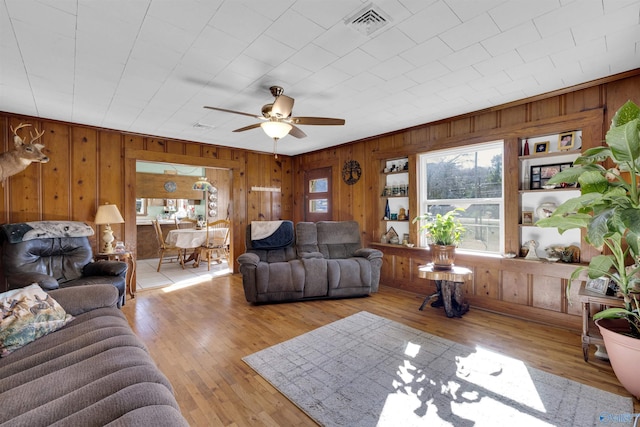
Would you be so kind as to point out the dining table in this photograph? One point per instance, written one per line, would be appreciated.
(194, 238)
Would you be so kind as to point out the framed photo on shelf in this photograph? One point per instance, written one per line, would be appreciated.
(541, 147)
(566, 141)
(598, 285)
(527, 217)
(540, 174)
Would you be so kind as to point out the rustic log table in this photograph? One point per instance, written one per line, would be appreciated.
(450, 287)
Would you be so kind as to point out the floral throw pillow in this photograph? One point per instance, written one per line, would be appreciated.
(28, 314)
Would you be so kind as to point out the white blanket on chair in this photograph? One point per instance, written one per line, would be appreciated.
(263, 229)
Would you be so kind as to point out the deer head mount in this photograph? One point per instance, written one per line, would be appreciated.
(25, 153)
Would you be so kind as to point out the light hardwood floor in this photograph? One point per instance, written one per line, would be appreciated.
(198, 335)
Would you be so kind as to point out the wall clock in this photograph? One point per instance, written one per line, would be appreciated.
(170, 186)
(351, 172)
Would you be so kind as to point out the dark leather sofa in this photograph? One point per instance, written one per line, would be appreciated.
(56, 254)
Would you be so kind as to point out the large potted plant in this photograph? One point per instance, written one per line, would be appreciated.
(444, 233)
(609, 210)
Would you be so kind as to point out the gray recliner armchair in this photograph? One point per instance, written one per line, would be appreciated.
(55, 254)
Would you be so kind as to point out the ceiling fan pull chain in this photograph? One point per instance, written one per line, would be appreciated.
(275, 143)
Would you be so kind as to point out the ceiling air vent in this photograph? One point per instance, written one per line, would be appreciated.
(368, 20)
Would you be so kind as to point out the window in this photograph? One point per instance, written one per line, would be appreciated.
(471, 178)
(318, 194)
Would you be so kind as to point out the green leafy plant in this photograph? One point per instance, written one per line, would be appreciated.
(442, 229)
(609, 210)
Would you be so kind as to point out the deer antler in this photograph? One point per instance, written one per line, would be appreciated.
(38, 135)
(20, 126)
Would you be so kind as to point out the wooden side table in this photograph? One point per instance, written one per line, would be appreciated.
(130, 259)
(590, 333)
(450, 286)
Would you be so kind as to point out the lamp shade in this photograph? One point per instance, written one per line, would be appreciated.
(108, 214)
(276, 130)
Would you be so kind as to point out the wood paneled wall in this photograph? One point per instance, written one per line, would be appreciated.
(506, 286)
(91, 166)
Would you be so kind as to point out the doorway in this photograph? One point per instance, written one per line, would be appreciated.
(165, 192)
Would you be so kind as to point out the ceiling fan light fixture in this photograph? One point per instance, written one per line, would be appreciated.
(276, 130)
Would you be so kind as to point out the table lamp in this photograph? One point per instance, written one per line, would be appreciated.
(108, 214)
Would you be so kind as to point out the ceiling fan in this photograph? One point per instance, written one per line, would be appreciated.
(276, 119)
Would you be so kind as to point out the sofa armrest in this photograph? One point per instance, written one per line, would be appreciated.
(105, 268)
(307, 255)
(368, 253)
(80, 299)
(249, 258)
(20, 280)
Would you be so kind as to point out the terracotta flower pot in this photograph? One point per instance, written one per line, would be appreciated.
(624, 352)
(442, 256)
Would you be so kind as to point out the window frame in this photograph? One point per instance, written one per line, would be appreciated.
(423, 202)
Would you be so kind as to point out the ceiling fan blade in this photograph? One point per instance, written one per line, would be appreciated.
(282, 106)
(296, 132)
(232, 111)
(253, 126)
(322, 121)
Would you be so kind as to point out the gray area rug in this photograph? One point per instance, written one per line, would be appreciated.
(366, 370)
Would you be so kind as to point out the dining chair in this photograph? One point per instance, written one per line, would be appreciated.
(185, 223)
(165, 248)
(217, 243)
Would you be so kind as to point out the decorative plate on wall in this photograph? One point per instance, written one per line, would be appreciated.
(351, 172)
(170, 186)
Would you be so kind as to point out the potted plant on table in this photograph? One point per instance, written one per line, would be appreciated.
(609, 210)
(444, 233)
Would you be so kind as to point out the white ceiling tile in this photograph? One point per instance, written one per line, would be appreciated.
(618, 20)
(470, 32)
(269, 51)
(340, 40)
(510, 14)
(392, 68)
(557, 20)
(430, 22)
(469, 9)
(325, 13)
(511, 39)
(520, 72)
(428, 72)
(498, 63)
(355, 62)
(312, 57)
(427, 52)
(560, 42)
(294, 30)
(388, 44)
(593, 48)
(465, 57)
(239, 21)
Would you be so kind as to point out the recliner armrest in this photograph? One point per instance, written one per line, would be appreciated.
(249, 258)
(20, 280)
(368, 253)
(105, 268)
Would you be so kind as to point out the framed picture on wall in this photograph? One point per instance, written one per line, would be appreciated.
(566, 141)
